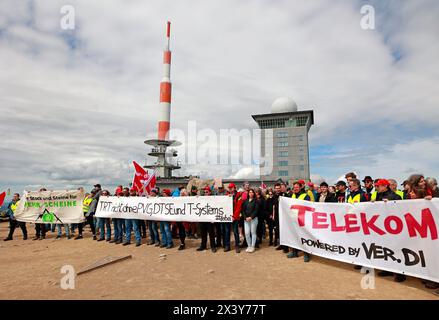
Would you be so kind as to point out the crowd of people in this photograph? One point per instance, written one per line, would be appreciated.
(255, 214)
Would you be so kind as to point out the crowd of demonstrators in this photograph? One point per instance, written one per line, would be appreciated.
(255, 214)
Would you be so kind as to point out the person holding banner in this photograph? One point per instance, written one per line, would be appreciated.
(384, 193)
(88, 216)
(165, 228)
(277, 194)
(152, 225)
(104, 223)
(132, 224)
(355, 193)
(13, 223)
(299, 193)
(207, 228)
(40, 228)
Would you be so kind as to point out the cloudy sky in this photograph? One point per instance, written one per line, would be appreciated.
(76, 105)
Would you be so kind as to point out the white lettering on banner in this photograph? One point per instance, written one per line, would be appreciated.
(397, 236)
(195, 209)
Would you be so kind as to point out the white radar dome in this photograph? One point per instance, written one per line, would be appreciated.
(283, 104)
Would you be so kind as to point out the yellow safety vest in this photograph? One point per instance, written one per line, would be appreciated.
(301, 197)
(355, 199)
(311, 195)
(14, 206)
(86, 203)
(373, 196)
(400, 193)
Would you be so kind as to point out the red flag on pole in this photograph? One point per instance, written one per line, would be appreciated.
(142, 181)
(2, 198)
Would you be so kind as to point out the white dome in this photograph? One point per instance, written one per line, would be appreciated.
(283, 104)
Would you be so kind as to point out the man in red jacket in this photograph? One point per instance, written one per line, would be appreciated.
(237, 204)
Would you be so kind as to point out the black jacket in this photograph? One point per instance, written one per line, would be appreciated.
(330, 197)
(250, 208)
(262, 208)
(389, 195)
(270, 202)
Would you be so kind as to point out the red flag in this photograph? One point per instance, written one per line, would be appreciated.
(142, 181)
(2, 198)
(263, 185)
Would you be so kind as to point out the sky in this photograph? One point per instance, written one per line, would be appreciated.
(76, 105)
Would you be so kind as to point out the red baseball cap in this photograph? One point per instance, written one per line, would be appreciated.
(383, 182)
(302, 182)
(232, 185)
(310, 184)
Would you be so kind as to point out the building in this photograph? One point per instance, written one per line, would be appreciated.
(288, 150)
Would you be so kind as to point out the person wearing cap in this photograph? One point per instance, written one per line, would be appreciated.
(152, 225)
(165, 228)
(132, 225)
(368, 186)
(301, 194)
(207, 228)
(237, 205)
(311, 191)
(325, 195)
(384, 193)
(341, 191)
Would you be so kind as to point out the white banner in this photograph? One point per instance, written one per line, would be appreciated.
(193, 209)
(59, 206)
(397, 236)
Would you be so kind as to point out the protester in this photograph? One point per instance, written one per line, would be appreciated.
(270, 214)
(250, 215)
(277, 195)
(152, 225)
(237, 205)
(355, 192)
(262, 216)
(165, 228)
(104, 223)
(132, 225)
(88, 217)
(40, 228)
(341, 193)
(13, 223)
(325, 195)
(207, 228)
(394, 188)
(299, 193)
(384, 193)
(418, 189)
(368, 187)
(432, 185)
